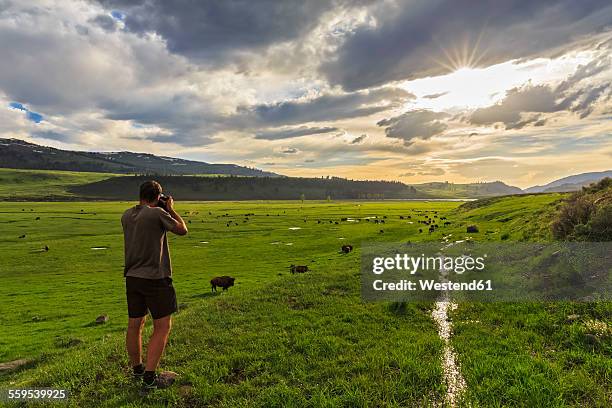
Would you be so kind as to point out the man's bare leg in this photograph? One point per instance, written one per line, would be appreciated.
(133, 339)
(157, 343)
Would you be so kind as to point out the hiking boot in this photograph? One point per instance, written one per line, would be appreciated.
(138, 372)
(162, 380)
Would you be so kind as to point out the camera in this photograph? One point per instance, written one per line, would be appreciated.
(163, 202)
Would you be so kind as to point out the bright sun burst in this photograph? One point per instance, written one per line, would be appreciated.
(468, 86)
(465, 55)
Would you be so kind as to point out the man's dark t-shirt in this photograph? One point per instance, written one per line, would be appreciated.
(145, 241)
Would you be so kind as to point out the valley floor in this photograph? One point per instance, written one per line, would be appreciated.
(277, 339)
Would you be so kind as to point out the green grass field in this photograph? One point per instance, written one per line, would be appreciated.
(18, 184)
(277, 339)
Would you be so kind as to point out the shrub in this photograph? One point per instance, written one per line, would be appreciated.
(586, 215)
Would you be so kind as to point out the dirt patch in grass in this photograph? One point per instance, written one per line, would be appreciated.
(235, 376)
(296, 303)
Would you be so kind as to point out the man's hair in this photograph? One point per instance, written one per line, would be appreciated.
(149, 190)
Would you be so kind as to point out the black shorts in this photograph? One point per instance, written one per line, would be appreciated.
(155, 295)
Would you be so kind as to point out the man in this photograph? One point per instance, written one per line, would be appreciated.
(148, 279)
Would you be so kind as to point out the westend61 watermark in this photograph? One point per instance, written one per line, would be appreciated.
(487, 272)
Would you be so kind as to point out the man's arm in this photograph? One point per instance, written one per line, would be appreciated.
(181, 227)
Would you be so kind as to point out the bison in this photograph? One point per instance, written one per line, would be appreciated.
(298, 268)
(347, 248)
(222, 282)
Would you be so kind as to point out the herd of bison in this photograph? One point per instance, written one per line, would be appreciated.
(226, 282)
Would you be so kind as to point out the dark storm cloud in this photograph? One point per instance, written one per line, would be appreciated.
(277, 134)
(183, 115)
(517, 101)
(586, 105)
(414, 39)
(328, 107)
(210, 29)
(415, 124)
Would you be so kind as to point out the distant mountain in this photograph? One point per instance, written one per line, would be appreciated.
(19, 154)
(571, 183)
(471, 190)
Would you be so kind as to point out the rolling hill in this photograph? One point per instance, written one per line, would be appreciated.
(19, 154)
(471, 190)
(43, 185)
(570, 183)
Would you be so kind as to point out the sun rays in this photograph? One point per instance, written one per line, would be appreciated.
(465, 54)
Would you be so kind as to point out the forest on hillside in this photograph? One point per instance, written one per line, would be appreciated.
(249, 188)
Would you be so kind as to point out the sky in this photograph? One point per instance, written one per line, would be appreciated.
(409, 90)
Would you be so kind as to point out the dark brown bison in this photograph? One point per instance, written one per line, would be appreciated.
(298, 268)
(222, 282)
(347, 248)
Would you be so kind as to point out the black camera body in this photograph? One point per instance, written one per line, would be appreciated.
(163, 202)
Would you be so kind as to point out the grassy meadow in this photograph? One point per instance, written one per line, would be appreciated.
(16, 184)
(277, 339)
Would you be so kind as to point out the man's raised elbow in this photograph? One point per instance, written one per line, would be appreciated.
(181, 230)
